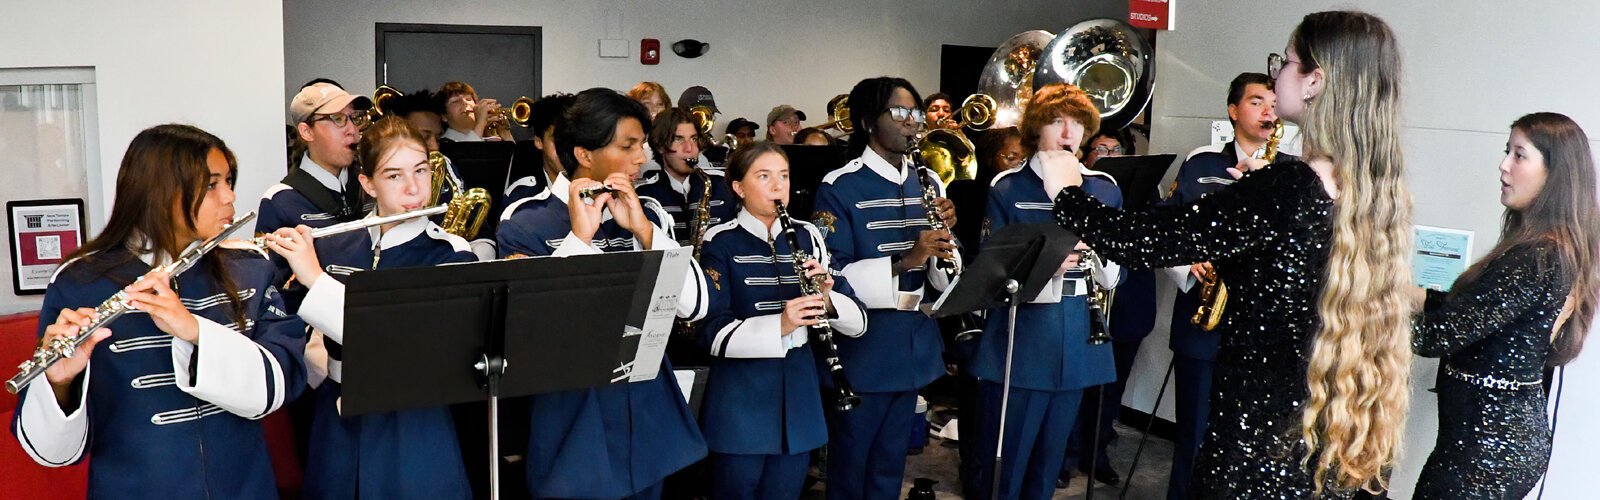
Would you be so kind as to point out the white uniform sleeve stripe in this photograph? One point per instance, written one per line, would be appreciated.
(719, 344)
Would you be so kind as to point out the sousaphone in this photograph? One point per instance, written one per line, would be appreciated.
(1106, 58)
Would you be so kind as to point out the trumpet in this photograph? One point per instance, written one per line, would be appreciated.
(839, 115)
(62, 347)
(823, 331)
(704, 118)
(1213, 293)
(380, 101)
(520, 113)
(947, 150)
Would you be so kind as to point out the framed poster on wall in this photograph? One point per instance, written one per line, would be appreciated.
(43, 234)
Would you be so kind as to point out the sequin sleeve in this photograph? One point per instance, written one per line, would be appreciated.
(1523, 281)
(1218, 226)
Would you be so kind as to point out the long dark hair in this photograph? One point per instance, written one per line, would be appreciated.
(164, 163)
(1566, 215)
(870, 98)
(591, 122)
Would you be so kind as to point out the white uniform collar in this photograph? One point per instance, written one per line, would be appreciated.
(322, 176)
(405, 231)
(752, 225)
(559, 187)
(681, 187)
(458, 136)
(884, 169)
(1238, 152)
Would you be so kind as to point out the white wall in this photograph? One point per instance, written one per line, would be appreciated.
(1471, 68)
(762, 53)
(214, 64)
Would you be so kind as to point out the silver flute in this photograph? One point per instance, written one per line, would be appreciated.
(65, 346)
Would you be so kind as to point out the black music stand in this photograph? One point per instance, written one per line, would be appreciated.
(1016, 262)
(1137, 176)
(436, 336)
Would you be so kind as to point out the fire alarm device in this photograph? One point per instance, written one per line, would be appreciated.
(650, 51)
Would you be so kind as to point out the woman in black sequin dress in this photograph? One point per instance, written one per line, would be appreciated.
(1291, 371)
(1503, 320)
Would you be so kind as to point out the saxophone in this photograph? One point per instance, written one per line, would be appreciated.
(846, 397)
(469, 208)
(1213, 293)
(702, 221)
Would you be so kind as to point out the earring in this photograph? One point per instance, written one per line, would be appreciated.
(1307, 97)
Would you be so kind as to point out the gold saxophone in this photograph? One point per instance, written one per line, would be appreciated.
(468, 208)
(702, 220)
(1213, 293)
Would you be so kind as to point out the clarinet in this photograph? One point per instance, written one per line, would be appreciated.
(948, 266)
(1099, 300)
(65, 346)
(846, 397)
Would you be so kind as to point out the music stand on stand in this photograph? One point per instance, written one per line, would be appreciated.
(436, 336)
(1016, 262)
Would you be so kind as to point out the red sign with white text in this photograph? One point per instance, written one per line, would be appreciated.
(1153, 14)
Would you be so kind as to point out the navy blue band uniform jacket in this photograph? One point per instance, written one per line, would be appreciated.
(162, 417)
(403, 454)
(1203, 173)
(682, 200)
(620, 439)
(284, 206)
(1053, 351)
(762, 396)
(870, 212)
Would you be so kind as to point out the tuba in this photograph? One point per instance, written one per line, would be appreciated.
(1213, 293)
(1008, 76)
(1109, 61)
(468, 208)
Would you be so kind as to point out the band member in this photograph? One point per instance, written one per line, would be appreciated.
(762, 414)
(1133, 315)
(163, 417)
(1524, 307)
(620, 440)
(939, 110)
(469, 119)
(871, 216)
(677, 187)
(545, 113)
(1252, 109)
(424, 111)
(783, 123)
(652, 95)
(1310, 384)
(320, 191)
(1052, 360)
(812, 136)
(403, 454)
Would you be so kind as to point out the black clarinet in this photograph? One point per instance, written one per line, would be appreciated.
(822, 332)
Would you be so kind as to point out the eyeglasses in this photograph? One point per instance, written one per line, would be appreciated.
(339, 120)
(1275, 64)
(1106, 150)
(900, 114)
(1010, 159)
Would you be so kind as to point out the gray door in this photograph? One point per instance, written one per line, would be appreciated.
(500, 62)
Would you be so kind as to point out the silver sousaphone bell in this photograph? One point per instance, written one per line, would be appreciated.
(1106, 58)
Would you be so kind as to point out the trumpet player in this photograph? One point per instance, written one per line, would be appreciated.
(168, 410)
(1252, 110)
(469, 119)
(762, 414)
(872, 217)
(1053, 359)
(621, 440)
(544, 114)
(403, 454)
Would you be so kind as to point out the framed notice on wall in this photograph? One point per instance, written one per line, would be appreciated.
(43, 233)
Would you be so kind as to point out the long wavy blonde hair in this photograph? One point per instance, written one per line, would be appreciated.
(1358, 377)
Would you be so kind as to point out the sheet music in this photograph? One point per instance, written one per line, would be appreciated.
(657, 327)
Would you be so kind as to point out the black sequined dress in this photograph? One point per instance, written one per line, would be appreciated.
(1493, 336)
(1267, 236)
